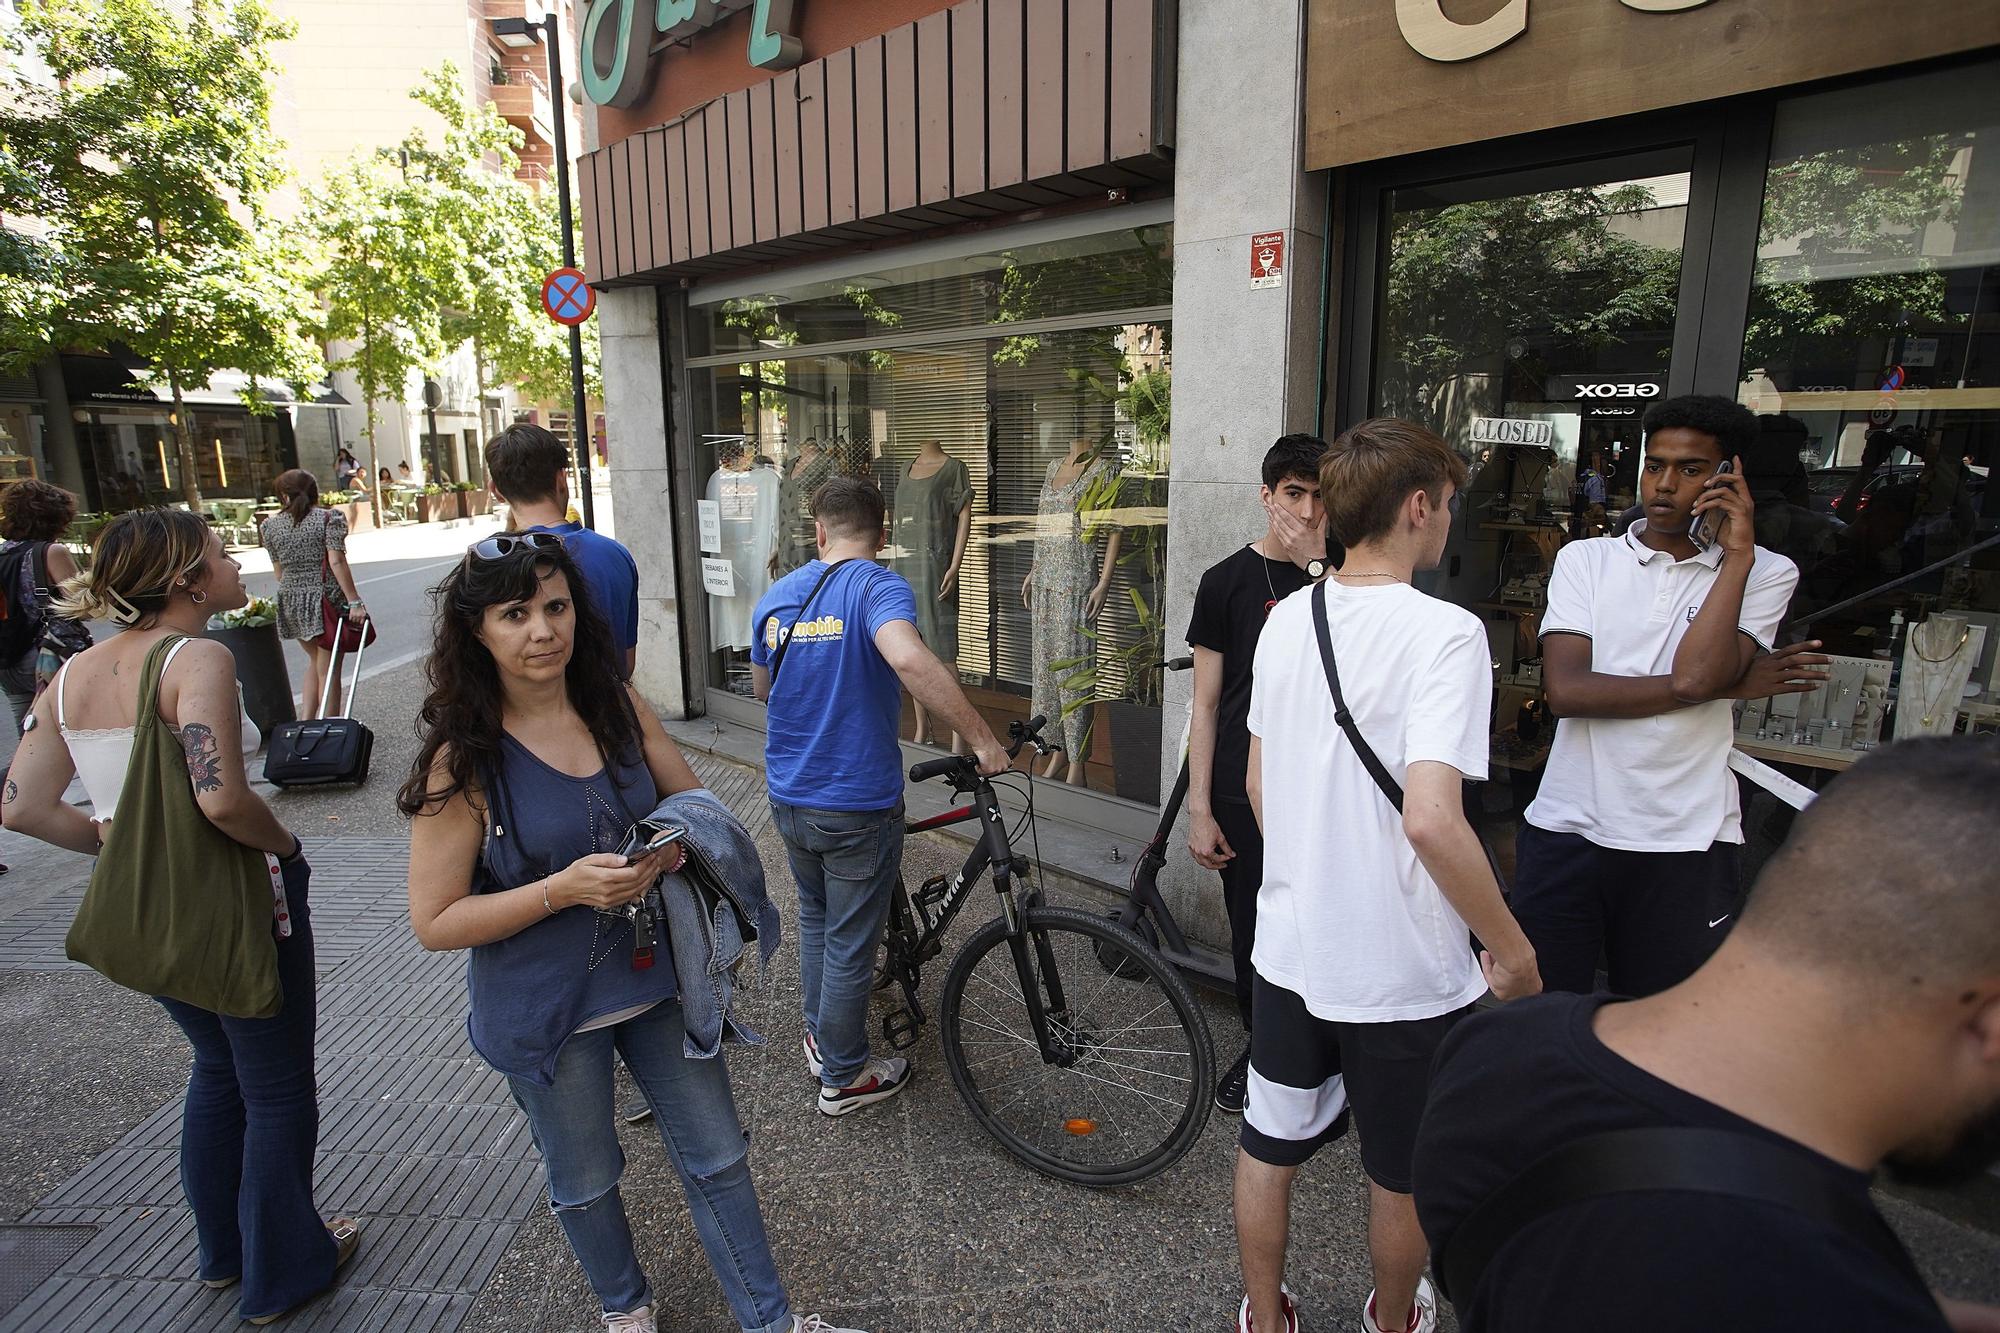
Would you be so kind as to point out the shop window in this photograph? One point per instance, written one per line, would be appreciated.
(1871, 351)
(1048, 449)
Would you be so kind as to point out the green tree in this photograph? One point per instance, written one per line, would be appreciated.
(150, 164)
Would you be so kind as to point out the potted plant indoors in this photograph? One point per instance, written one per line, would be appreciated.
(251, 635)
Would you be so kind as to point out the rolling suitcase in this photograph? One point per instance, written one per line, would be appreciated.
(327, 750)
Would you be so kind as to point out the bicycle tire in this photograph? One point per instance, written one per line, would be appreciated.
(1187, 1069)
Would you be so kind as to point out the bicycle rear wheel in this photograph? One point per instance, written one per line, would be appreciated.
(1130, 1091)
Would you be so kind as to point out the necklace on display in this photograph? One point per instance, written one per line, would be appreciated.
(1916, 642)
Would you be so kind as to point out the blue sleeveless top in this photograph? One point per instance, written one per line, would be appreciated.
(531, 990)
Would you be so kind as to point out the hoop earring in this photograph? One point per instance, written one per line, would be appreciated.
(197, 596)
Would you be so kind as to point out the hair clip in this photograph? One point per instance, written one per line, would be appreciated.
(123, 612)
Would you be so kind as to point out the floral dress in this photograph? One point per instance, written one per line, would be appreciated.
(299, 550)
(1059, 585)
(925, 531)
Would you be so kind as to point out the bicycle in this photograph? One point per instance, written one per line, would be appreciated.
(1094, 1074)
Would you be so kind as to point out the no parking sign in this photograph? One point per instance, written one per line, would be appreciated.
(567, 296)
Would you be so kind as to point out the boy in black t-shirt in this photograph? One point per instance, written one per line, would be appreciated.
(1851, 1019)
(1229, 610)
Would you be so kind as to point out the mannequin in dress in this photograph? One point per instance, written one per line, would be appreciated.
(930, 525)
(748, 502)
(1062, 597)
(1937, 660)
(795, 543)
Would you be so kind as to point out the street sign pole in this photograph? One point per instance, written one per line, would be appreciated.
(580, 407)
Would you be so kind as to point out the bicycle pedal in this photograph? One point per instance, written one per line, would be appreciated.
(901, 1029)
(930, 896)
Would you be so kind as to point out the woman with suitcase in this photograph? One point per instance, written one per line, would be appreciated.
(535, 759)
(308, 548)
(251, 1120)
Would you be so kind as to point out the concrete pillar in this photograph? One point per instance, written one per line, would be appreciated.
(1246, 360)
(635, 415)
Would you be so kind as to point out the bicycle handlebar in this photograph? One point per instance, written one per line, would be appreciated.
(966, 766)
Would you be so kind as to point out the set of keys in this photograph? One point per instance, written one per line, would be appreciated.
(645, 931)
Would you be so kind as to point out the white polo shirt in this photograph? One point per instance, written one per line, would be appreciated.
(1647, 784)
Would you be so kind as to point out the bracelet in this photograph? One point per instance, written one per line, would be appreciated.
(547, 906)
(298, 850)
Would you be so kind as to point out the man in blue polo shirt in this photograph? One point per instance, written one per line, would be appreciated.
(527, 468)
(836, 641)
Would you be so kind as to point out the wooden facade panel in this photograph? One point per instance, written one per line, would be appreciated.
(871, 158)
(654, 245)
(1132, 132)
(812, 144)
(899, 96)
(1089, 83)
(721, 210)
(1047, 141)
(695, 131)
(784, 154)
(841, 140)
(934, 108)
(736, 162)
(591, 203)
(968, 97)
(670, 224)
(761, 165)
(1006, 93)
(618, 159)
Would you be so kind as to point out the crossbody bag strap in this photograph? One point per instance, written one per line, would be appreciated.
(778, 653)
(1391, 789)
(1716, 1162)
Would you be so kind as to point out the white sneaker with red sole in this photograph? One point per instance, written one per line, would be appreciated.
(1426, 1312)
(1244, 1324)
(880, 1080)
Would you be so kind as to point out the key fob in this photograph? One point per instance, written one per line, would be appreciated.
(644, 938)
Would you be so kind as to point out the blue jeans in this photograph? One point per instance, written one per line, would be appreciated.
(248, 1131)
(576, 1130)
(846, 863)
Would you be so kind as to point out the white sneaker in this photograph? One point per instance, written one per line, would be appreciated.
(879, 1080)
(634, 1321)
(1427, 1310)
(813, 1323)
(813, 1062)
(1243, 1324)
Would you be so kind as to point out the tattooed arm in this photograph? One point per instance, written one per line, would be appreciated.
(199, 694)
(32, 801)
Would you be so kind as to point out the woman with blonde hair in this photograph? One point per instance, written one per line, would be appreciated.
(251, 1120)
(307, 544)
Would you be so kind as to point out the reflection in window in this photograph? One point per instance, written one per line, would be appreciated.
(1025, 475)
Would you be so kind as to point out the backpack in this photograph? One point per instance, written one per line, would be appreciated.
(23, 607)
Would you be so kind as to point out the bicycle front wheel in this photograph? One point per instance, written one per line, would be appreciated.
(1126, 1089)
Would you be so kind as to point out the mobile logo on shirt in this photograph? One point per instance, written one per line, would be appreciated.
(824, 629)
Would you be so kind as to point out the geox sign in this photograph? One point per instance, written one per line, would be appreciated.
(619, 37)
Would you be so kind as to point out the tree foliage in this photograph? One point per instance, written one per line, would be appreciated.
(149, 165)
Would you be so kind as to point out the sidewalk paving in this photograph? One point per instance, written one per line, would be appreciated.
(903, 1217)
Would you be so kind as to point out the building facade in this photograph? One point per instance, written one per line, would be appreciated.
(1099, 253)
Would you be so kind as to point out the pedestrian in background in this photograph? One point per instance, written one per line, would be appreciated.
(33, 563)
(534, 761)
(251, 1121)
(1851, 1019)
(346, 468)
(307, 543)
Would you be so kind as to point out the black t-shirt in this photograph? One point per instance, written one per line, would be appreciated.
(1235, 598)
(1512, 1085)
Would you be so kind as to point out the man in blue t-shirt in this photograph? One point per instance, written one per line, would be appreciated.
(527, 468)
(848, 633)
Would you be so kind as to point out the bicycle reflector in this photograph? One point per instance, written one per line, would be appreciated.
(1080, 1126)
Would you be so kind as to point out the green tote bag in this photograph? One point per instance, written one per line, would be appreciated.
(175, 906)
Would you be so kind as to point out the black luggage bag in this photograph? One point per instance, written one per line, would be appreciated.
(327, 750)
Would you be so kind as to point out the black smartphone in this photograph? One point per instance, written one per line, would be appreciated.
(1702, 531)
(648, 836)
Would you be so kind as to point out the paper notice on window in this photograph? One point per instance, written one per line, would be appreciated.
(718, 577)
(708, 515)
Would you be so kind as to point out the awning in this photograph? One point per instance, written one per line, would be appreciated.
(101, 379)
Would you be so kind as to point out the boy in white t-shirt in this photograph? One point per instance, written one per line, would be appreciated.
(1630, 847)
(1362, 959)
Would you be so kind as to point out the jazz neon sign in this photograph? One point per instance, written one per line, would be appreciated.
(1435, 37)
(617, 55)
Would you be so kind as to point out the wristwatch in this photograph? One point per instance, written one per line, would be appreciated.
(1316, 568)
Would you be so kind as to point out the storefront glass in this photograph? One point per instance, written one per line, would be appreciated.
(1025, 475)
(132, 459)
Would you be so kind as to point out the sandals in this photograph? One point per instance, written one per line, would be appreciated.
(346, 1233)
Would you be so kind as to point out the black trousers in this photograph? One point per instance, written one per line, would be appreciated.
(1241, 878)
(1654, 917)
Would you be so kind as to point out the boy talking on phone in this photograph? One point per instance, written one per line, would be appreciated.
(1630, 848)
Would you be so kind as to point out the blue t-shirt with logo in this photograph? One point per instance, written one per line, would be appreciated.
(611, 575)
(830, 739)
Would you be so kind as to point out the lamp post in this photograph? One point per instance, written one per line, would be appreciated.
(521, 33)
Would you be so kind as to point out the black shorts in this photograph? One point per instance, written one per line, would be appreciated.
(1306, 1072)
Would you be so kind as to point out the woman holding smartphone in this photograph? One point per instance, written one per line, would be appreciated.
(535, 761)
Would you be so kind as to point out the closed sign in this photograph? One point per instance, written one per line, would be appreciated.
(1511, 430)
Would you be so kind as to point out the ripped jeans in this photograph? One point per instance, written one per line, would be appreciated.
(575, 1127)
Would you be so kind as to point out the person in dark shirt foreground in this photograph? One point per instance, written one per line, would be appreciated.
(1853, 1017)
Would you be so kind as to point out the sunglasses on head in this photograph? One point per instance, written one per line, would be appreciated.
(503, 544)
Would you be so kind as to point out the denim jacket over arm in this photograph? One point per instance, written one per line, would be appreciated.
(716, 905)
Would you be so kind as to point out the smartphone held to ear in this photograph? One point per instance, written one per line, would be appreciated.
(1702, 531)
(649, 836)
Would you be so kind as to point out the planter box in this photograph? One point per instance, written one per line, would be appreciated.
(478, 502)
(1135, 751)
(260, 667)
(431, 508)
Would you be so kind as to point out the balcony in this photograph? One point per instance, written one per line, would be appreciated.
(522, 99)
